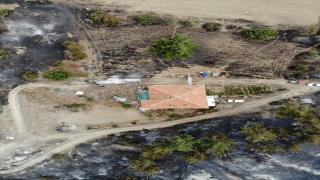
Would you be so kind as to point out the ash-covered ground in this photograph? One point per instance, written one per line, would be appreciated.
(107, 158)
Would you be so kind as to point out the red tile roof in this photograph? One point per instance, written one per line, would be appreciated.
(176, 96)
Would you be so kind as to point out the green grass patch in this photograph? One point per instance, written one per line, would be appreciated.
(79, 55)
(4, 12)
(57, 63)
(259, 33)
(57, 75)
(188, 23)
(224, 63)
(211, 26)
(29, 75)
(175, 116)
(310, 31)
(71, 45)
(126, 106)
(75, 105)
(313, 52)
(104, 18)
(90, 99)
(58, 157)
(148, 20)
(133, 123)
(83, 74)
(114, 126)
(301, 67)
(209, 92)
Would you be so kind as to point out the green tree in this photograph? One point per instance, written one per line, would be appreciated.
(177, 47)
(217, 143)
(258, 133)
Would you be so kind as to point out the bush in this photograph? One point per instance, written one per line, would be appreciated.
(175, 116)
(211, 26)
(79, 55)
(29, 75)
(104, 18)
(133, 122)
(90, 99)
(4, 12)
(259, 33)
(310, 31)
(58, 157)
(177, 47)
(71, 45)
(301, 67)
(57, 75)
(4, 53)
(114, 126)
(313, 52)
(231, 26)
(57, 63)
(188, 23)
(148, 20)
(126, 106)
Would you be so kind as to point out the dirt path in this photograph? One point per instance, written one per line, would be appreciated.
(269, 12)
(246, 107)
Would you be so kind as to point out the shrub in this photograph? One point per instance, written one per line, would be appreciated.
(4, 53)
(114, 126)
(126, 106)
(29, 75)
(133, 122)
(231, 26)
(189, 23)
(57, 63)
(313, 52)
(211, 26)
(58, 157)
(147, 20)
(79, 55)
(177, 47)
(71, 45)
(83, 74)
(259, 33)
(75, 105)
(57, 75)
(4, 12)
(301, 67)
(104, 18)
(90, 99)
(310, 31)
(175, 116)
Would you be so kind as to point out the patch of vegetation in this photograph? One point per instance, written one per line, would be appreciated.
(4, 53)
(58, 157)
(90, 99)
(57, 63)
(276, 139)
(210, 110)
(79, 55)
(177, 47)
(114, 126)
(126, 106)
(84, 74)
(57, 75)
(4, 12)
(224, 63)
(133, 123)
(74, 49)
(29, 75)
(211, 26)
(175, 116)
(148, 114)
(188, 23)
(301, 67)
(313, 52)
(246, 90)
(148, 20)
(209, 92)
(104, 18)
(192, 149)
(75, 105)
(259, 33)
(90, 127)
(310, 31)
(170, 110)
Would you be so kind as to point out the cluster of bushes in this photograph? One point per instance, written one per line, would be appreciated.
(211, 26)
(4, 12)
(126, 106)
(57, 75)
(259, 33)
(104, 18)
(313, 52)
(246, 90)
(310, 31)
(57, 63)
(301, 67)
(148, 20)
(58, 157)
(177, 47)
(75, 50)
(188, 23)
(29, 75)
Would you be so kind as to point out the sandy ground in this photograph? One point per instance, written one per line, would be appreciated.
(269, 12)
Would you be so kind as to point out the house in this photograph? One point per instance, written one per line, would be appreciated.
(176, 97)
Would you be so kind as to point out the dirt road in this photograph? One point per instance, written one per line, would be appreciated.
(269, 12)
(246, 107)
